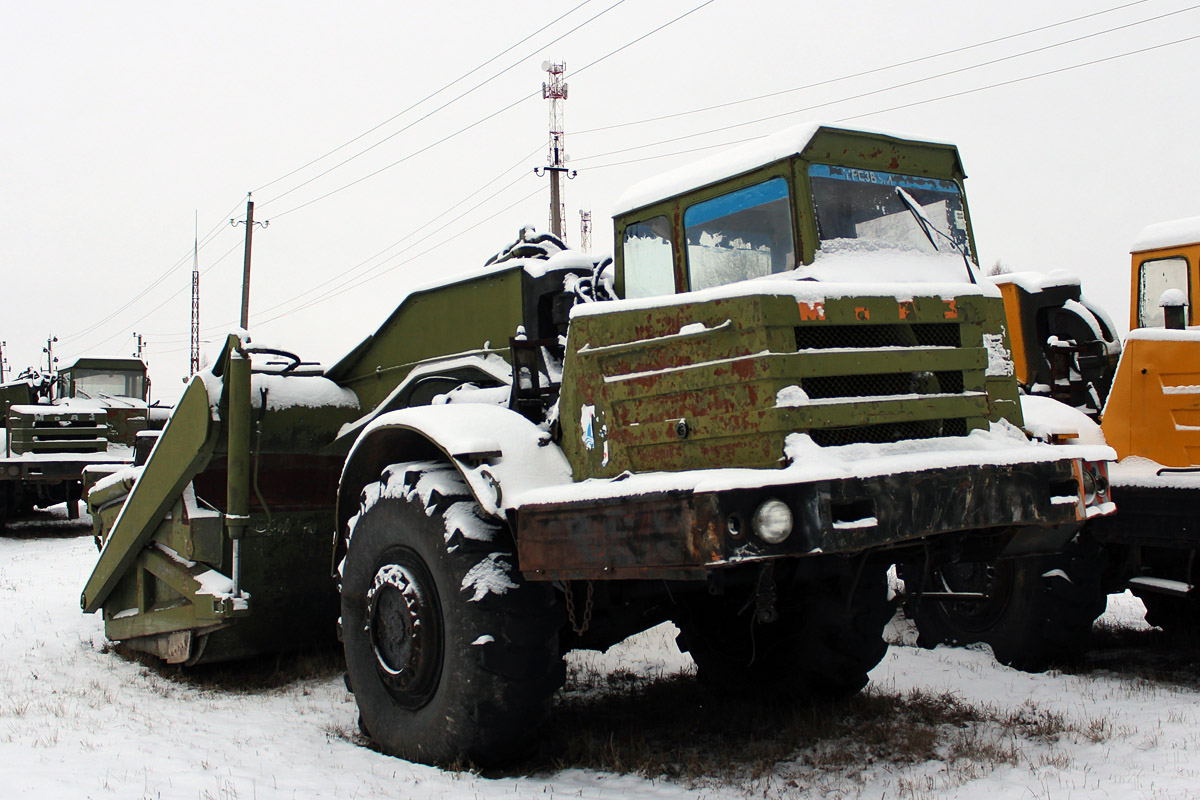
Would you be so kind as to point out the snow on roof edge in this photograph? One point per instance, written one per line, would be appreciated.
(1173, 233)
(737, 161)
(1033, 282)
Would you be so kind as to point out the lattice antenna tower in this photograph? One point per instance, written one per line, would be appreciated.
(195, 350)
(554, 89)
(585, 230)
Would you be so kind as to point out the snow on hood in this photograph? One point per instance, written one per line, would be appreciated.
(563, 259)
(310, 391)
(128, 475)
(1034, 282)
(870, 263)
(102, 403)
(285, 391)
(1003, 443)
(1175, 233)
(1143, 472)
(1045, 417)
(1163, 335)
(898, 275)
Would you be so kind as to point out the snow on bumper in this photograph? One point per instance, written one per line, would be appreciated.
(657, 526)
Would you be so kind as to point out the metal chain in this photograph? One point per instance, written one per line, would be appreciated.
(576, 626)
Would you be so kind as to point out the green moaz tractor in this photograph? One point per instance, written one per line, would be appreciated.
(55, 426)
(788, 380)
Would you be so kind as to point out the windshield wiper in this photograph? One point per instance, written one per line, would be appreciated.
(107, 396)
(928, 228)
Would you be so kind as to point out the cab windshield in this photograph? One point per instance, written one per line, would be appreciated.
(860, 210)
(99, 382)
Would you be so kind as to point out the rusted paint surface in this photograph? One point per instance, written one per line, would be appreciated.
(680, 535)
(659, 536)
(717, 368)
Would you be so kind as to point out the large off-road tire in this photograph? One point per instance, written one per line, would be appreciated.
(828, 636)
(1038, 610)
(452, 656)
(1177, 616)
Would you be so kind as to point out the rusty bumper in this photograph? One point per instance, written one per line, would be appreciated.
(681, 535)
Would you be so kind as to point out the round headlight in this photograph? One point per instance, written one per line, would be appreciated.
(773, 521)
(1089, 487)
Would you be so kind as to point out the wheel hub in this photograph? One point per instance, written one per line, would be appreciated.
(404, 630)
(992, 581)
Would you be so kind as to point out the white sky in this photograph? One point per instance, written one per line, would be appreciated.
(124, 119)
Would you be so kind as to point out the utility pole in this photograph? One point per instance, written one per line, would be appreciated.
(49, 351)
(140, 342)
(194, 366)
(3, 360)
(555, 90)
(585, 230)
(249, 223)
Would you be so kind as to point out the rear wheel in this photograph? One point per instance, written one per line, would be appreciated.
(451, 654)
(828, 636)
(1036, 610)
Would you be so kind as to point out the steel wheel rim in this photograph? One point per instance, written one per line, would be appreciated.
(404, 628)
(995, 581)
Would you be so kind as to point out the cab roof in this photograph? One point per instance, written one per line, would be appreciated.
(1176, 233)
(790, 142)
(114, 362)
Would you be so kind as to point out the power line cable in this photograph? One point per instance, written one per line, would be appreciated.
(428, 250)
(891, 88)
(428, 97)
(435, 111)
(1026, 78)
(342, 276)
(172, 296)
(488, 117)
(900, 107)
(66, 340)
(345, 274)
(851, 76)
(368, 276)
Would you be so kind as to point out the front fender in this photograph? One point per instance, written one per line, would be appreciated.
(499, 453)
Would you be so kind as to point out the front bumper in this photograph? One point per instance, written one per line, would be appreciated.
(683, 534)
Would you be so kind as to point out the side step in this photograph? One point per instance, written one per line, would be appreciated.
(1162, 586)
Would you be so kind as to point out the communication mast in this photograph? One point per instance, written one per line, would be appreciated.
(555, 90)
(195, 351)
(585, 230)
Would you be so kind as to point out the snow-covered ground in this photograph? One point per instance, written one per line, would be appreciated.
(77, 720)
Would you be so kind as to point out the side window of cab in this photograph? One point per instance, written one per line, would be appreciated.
(649, 262)
(740, 235)
(1156, 276)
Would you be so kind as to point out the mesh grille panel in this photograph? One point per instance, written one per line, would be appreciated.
(830, 386)
(865, 336)
(889, 432)
(926, 334)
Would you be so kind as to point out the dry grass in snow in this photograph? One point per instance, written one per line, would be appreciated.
(78, 720)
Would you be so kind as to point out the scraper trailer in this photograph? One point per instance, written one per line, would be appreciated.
(513, 465)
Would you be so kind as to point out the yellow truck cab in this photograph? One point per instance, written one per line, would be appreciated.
(1153, 410)
(1152, 420)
